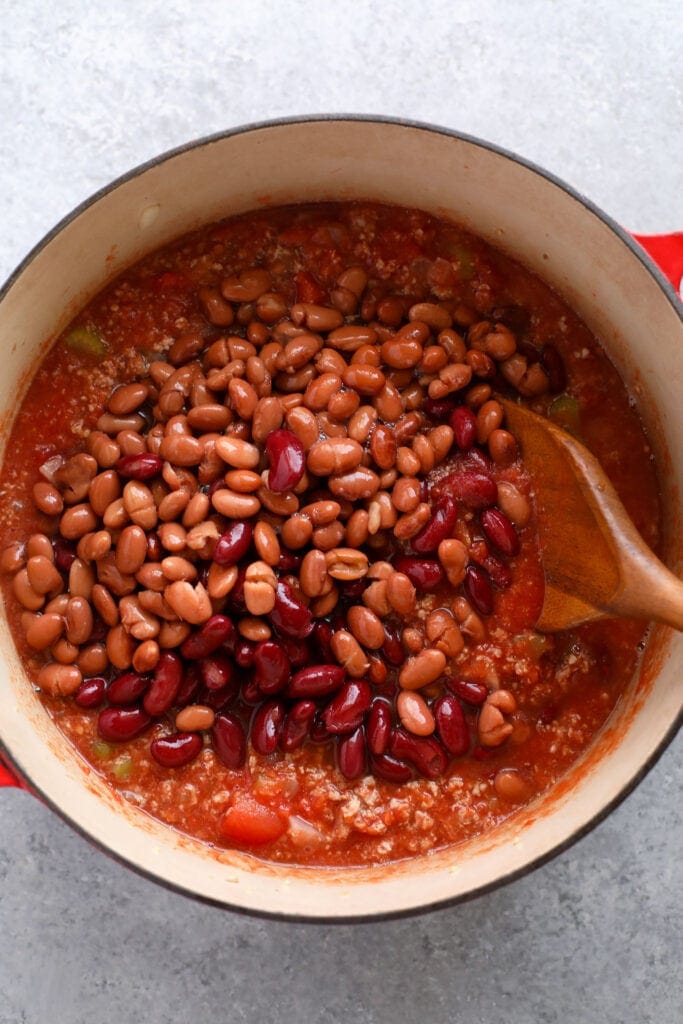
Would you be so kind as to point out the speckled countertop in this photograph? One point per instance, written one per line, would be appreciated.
(593, 91)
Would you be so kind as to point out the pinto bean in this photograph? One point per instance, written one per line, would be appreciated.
(421, 670)
(190, 603)
(24, 592)
(296, 532)
(59, 680)
(383, 446)
(259, 588)
(77, 521)
(349, 654)
(195, 718)
(513, 503)
(359, 483)
(492, 727)
(43, 576)
(81, 579)
(350, 338)
(47, 498)
(334, 455)
(366, 627)
(235, 505)
(414, 713)
(313, 574)
(346, 564)
(44, 630)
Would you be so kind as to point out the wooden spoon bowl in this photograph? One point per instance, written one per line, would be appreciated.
(596, 563)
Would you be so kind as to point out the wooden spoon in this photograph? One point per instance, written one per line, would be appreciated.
(596, 563)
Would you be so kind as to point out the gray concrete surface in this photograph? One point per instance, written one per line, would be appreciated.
(591, 90)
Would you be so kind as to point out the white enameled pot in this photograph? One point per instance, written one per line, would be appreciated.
(599, 270)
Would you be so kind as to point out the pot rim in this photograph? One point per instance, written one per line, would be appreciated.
(278, 122)
(669, 293)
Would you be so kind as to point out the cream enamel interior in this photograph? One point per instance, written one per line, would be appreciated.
(514, 207)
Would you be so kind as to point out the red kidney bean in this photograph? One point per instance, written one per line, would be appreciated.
(472, 693)
(500, 531)
(352, 754)
(176, 750)
(127, 688)
(121, 724)
(476, 460)
(322, 637)
(217, 485)
(318, 733)
(346, 710)
(476, 489)
(154, 548)
(478, 589)
(99, 631)
(551, 360)
(498, 571)
(139, 467)
(288, 561)
(266, 726)
(219, 699)
(389, 768)
(439, 408)
(423, 573)
(217, 671)
(532, 354)
(451, 725)
(297, 724)
(464, 424)
(229, 740)
(337, 621)
(379, 725)
(315, 681)
(351, 590)
(287, 458)
(392, 648)
(423, 752)
(215, 631)
(244, 654)
(272, 667)
(65, 553)
(250, 692)
(290, 616)
(297, 651)
(168, 675)
(188, 688)
(236, 601)
(90, 693)
(438, 528)
(234, 543)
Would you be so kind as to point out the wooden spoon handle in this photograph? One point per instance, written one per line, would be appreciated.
(657, 594)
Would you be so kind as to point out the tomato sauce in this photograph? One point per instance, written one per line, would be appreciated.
(566, 686)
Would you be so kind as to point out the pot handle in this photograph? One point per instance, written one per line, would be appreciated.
(667, 252)
(7, 778)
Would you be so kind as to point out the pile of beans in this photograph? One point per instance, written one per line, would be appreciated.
(242, 552)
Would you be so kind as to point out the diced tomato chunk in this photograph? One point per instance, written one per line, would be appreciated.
(307, 288)
(170, 281)
(250, 823)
